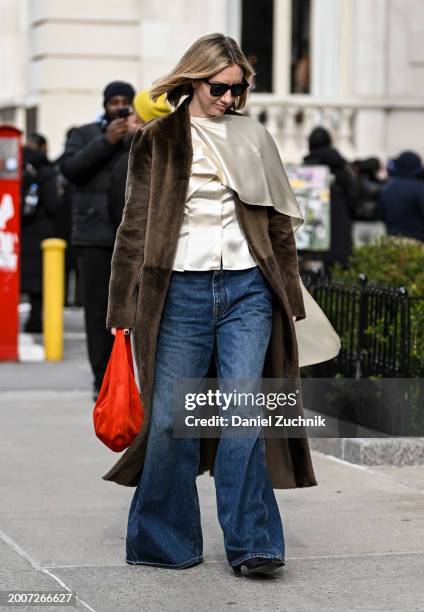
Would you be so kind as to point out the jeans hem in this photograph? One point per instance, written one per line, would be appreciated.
(189, 563)
(193, 561)
(258, 554)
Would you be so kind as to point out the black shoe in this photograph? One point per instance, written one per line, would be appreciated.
(258, 565)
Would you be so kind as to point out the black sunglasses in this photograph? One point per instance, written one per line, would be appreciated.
(219, 89)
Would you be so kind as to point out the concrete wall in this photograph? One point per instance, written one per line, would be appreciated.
(63, 53)
(388, 67)
(12, 53)
(58, 55)
(74, 49)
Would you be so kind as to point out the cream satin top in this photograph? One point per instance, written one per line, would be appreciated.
(210, 232)
(248, 161)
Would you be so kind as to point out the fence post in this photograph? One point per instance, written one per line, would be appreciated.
(362, 323)
(405, 334)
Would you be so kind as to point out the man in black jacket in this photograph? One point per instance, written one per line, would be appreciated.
(145, 109)
(91, 152)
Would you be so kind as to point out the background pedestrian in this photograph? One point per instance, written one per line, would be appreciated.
(344, 195)
(41, 204)
(90, 155)
(402, 198)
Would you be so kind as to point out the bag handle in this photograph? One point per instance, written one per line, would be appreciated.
(127, 340)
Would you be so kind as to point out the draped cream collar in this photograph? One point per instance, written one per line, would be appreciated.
(248, 161)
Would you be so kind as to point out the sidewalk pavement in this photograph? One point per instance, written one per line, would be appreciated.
(354, 542)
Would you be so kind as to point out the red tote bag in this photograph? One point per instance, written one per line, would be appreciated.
(118, 413)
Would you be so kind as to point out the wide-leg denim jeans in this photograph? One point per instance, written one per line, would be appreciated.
(224, 315)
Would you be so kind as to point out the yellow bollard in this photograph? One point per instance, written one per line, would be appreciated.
(53, 296)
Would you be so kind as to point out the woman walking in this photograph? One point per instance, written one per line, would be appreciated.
(205, 274)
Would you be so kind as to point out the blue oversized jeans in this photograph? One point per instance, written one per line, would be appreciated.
(224, 315)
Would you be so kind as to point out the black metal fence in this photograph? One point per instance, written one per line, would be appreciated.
(381, 328)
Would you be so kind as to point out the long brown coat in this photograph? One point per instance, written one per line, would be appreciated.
(158, 177)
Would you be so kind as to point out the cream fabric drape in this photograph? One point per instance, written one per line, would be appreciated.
(210, 229)
(248, 162)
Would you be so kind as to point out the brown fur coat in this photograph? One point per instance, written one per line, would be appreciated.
(158, 177)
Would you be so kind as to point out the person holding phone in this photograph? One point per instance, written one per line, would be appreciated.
(91, 152)
(144, 110)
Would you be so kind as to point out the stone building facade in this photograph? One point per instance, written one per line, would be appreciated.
(363, 61)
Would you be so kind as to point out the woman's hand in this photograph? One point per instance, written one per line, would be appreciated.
(113, 331)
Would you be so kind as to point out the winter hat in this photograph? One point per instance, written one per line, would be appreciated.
(118, 88)
(147, 109)
(407, 164)
(319, 138)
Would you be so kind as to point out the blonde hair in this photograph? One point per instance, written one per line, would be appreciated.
(207, 56)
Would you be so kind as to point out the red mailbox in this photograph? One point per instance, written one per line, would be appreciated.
(10, 208)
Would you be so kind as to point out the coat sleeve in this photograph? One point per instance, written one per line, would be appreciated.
(128, 253)
(81, 159)
(116, 190)
(284, 247)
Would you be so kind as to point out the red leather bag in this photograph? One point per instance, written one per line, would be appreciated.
(118, 413)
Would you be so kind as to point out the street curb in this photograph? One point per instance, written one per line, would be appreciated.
(372, 451)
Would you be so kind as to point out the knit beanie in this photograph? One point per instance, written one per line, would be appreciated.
(117, 88)
(147, 109)
(408, 164)
(319, 138)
